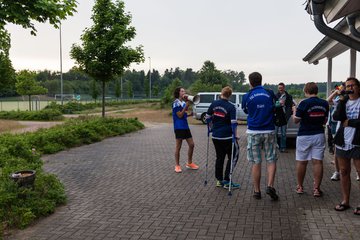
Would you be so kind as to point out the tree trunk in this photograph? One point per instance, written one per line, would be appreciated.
(103, 98)
(29, 102)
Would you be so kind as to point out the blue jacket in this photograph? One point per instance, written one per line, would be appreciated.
(258, 103)
(222, 114)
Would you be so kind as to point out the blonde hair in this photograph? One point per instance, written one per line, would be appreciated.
(226, 92)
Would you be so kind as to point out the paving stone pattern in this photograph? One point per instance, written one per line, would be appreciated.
(126, 188)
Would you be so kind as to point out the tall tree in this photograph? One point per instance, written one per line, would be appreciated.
(27, 85)
(103, 53)
(208, 74)
(7, 72)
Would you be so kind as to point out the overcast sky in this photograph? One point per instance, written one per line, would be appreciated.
(269, 36)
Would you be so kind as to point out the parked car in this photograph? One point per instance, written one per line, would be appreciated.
(206, 98)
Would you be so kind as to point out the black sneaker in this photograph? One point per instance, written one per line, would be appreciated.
(257, 195)
(272, 193)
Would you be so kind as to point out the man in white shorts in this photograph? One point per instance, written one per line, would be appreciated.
(310, 143)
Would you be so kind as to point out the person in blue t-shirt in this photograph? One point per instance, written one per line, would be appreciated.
(181, 129)
(312, 115)
(221, 115)
(259, 104)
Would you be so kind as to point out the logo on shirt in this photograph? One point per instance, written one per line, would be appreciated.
(219, 114)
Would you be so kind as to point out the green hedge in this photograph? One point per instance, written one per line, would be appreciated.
(45, 115)
(75, 107)
(20, 206)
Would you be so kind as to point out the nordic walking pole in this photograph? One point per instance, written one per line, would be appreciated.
(207, 154)
(231, 166)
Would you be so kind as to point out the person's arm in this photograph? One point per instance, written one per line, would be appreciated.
(298, 113)
(181, 113)
(234, 122)
(340, 110)
(355, 123)
(332, 96)
(244, 104)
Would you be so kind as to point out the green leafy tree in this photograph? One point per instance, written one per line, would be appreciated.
(169, 92)
(7, 72)
(236, 79)
(129, 89)
(208, 75)
(117, 88)
(27, 85)
(24, 13)
(94, 90)
(199, 86)
(103, 53)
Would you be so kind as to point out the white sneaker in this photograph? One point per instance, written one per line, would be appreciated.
(357, 177)
(335, 176)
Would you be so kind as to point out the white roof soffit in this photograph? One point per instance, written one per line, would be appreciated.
(336, 9)
(329, 48)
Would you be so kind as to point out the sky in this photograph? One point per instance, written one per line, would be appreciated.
(268, 36)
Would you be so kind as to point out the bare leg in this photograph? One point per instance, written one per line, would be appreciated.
(191, 144)
(318, 172)
(345, 169)
(256, 174)
(177, 151)
(271, 169)
(357, 166)
(301, 171)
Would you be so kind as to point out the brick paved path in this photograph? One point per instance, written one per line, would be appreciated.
(126, 188)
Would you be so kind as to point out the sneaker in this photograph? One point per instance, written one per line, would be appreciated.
(335, 176)
(219, 183)
(233, 185)
(192, 166)
(272, 193)
(178, 169)
(357, 177)
(317, 192)
(299, 189)
(283, 150)
(257, 195)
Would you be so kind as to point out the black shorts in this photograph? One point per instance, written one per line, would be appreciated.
(353, 153)
(182, 133)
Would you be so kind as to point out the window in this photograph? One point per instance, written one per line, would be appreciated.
(206, 98)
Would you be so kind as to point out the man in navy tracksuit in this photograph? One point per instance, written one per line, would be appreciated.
(221, 115)
(258, 103)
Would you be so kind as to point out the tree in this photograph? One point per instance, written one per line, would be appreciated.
(94, 90)
(7, 72)
(129, 89)
(117, 88)
(208, 75)
(169, 92)
(237, 79)
(27, 85)
(103, 54)
(25, 12)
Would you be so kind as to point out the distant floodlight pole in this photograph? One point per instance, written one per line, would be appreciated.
(150, 75)
(61, 74)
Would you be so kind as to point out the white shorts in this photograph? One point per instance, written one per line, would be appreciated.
(310, 147)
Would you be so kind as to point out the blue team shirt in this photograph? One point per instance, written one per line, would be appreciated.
(313, 113)
(258, 103)
(222, 115)
(179, 123)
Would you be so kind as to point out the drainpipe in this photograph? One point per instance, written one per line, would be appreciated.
(318, 7)
(351, 22)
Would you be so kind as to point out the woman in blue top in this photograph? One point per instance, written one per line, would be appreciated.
(222, 117)
(310, 143)
(181, 129)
